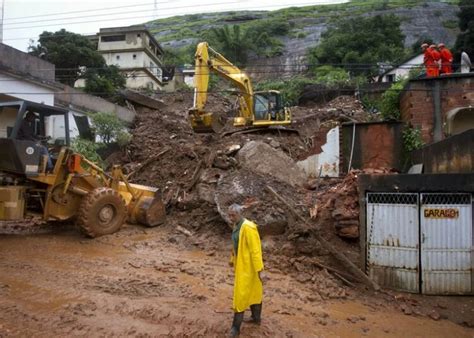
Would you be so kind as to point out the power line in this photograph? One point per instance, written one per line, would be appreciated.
(83, 11)
(161, 16)
(105, 14)
(358, 66)
(191, 92)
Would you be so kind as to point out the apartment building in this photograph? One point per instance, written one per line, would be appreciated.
(135, 51)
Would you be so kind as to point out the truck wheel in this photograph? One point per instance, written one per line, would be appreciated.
(102, 212)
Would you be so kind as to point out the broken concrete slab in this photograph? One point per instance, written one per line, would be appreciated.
(262, 158)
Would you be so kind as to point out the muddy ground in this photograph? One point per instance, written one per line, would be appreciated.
(145, 282)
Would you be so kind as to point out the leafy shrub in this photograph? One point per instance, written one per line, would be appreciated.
(123, 138)
(390, 106)
(412, 139)
(330, 75)
(107, 126)
(88, 149)
(301, 35)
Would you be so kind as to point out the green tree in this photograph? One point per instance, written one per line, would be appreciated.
(233, 42)
(465, 39)
(107, 126)
(236, 42)
(103, 81)
(69, 52)
(358, 44)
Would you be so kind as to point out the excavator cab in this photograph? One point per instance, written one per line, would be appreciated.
(268, 109)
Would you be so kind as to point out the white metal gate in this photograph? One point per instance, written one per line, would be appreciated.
(421, 242)
(446, 243)
(393, 240)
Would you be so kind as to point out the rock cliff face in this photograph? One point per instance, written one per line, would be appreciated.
(436, 20)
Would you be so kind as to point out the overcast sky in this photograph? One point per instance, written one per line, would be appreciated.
(26, 19)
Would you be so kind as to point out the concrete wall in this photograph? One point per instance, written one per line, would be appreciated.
(452, 155)
(376, 145)
(81, 102)
(24, 63)
(428, 103)
(22, 89)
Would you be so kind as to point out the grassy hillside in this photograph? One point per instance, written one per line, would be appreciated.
(197, 25)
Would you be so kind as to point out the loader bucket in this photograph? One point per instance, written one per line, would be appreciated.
(149, 211)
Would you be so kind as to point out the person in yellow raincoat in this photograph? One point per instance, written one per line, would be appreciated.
(248, 264)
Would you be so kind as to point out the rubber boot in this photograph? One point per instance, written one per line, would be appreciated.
(256, 310)
(236, 323)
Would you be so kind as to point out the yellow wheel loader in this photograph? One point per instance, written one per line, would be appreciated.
(52, 180)
(256, 109)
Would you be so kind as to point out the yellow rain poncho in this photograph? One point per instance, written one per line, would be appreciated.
(247, 263)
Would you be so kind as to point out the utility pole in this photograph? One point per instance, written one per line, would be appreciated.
(155, 11)
(2, 12)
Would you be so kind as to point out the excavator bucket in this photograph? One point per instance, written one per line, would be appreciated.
(207, 122)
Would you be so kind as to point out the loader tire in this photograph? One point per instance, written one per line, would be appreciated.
(102, 212)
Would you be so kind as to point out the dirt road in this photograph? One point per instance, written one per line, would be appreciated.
(155, 282)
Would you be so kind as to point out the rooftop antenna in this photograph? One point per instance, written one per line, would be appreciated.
(2, 12)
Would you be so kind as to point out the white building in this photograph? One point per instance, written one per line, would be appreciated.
(135, 51)
(26, 77)
(402, 70)
(188, 74)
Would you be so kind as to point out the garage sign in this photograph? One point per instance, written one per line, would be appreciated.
(441, 213)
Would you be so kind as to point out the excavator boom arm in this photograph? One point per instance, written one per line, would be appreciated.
(207, 61)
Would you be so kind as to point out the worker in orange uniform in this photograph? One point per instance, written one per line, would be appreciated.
(437, 59)
(446, 59)
(248, 268)
(429, 61)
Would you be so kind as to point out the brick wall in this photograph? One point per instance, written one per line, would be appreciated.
(417, 105)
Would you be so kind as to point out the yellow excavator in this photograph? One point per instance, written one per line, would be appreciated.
(256, 109)
(41, 175)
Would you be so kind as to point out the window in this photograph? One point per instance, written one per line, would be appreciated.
(134, 56)
(390, 78)
(138, 35)
(117, 57)
(112, 38)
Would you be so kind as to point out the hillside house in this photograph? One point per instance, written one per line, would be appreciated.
(402, 70)
(135, 51)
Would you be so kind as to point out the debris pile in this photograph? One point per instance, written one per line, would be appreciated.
(339, 205)
(200, 175)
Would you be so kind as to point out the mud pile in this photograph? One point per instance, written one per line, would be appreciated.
(200, 175)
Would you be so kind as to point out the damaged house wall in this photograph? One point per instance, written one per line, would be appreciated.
(376, 145)
(325, 163)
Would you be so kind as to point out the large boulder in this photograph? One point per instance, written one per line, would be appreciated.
(262, 159)
(248, 189)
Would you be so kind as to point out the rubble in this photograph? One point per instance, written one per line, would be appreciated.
(265, 160)
(202, 174)
(339, 205)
